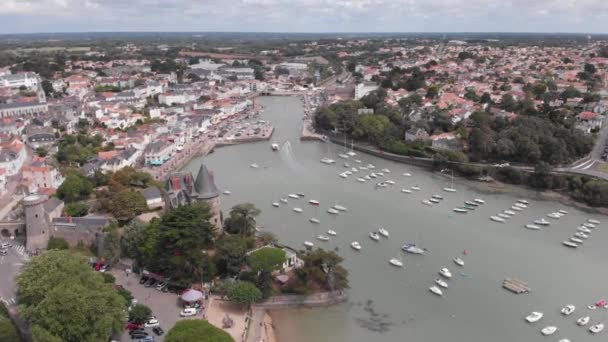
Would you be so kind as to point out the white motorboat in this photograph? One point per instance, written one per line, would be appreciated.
(373, 175)
(386, 170)
(523, 201)
(535, 316)
(227, 192)
(367, 177)
(480, 201)
(554, 216)
(497, 219)
(594, 329)
(396, 262)
(357, 161)
(504, 216)
(362, 168)
(458, 261)
(460, 210)
(275, 204)
(447, 189)
(254, 166)
(343, 156)
(294, 196)
(323, 237)
(340, 208)
(407, 174)
(301, 194)
(283, 200)
(313, 202)
(314, 220)
(436, 290)
(434, 200)
(274, 147)
(564, 340)
(327, 161)
(380, 174)
(351, 153)
(584, 229)
(427, 202)
(568, 309)
(343, 175)
(592, 221)
(415, 188)
(381, 185)
(471, 204)
(383, 232)
(589, 225)
(346, 165)
(412, 248)
(581, 235)
(563, 212)
(355, 245)
(371, 166)
(361, 180)
(298, 210)
(576, 240)
(509, 212)
(583, 321)
(542, 222)
(441, 283)
(521, 205)
(550, 330)
(308, 244)
(445, 272)
(406, 191)
(333, 211)
(569, 244)
(374, 236)
(516, 208)
(532, 227)
(390, 182)
(332, 233)
(354, 170)
(439, 197)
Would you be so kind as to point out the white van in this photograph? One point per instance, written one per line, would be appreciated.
(188, 312)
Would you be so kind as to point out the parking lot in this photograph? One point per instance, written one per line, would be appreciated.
(165, 305)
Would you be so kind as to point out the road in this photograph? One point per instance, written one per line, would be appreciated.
(591, 164)
(10, 265)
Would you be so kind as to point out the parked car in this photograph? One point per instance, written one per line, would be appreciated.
(143, 279)
(5, 245)
(104, 268)
(188, 312)
(147, 339)
(158, 331)
(161, 285)
(140, 335)
(135, 326)
(152, 323)
(136, 331)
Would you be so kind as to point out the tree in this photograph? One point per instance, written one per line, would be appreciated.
(432, 92)
(590, 68)
(139, 313)
(244, 293)
(485, 98)
(323, 268)
(127, 204)
(242, 219)
(266, 238)
(196, 330)
(61, 296)
(57, 243)
(75, 187)
(230, 256)
(76, 209)
(41, 152)
(508, 103)
(266, 259)
(111, 246)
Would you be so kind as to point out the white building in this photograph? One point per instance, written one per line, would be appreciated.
(26, 79)
(364, 88)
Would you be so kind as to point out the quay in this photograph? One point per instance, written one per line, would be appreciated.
(516, 286)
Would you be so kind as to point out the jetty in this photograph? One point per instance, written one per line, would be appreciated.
(516, 286)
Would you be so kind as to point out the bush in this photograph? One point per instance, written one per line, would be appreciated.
(8, 332)
(57, 243)
(139, 313)
(77, 209)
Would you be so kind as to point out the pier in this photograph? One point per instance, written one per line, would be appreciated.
(516, 286)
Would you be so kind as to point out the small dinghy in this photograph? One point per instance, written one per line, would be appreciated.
(550, 330)
(227, 192)
(516, 208)
(505, 216)
(355, 245)
(581, 235)
(313, 202)
(441, 283)
(374, 236)
(576, 240)
(407, 174)
(396, 262)
(479, 200)
(416, 188)
(314, 220)
(294, 196)
(436, 290)
(333, 211)
(509, 212)
(439, 197)
(340, 208)
(568, 309)
(458, 261)
(433, 200)
(298, 210)
(407, 191)
(322, 237)
(283, 200)
(497, 219)
(427, 202)
(569, 244)
(332, 232)
(583, 321)
(589, 225)
(460, 210)
(584, 229)
(592, 221)
(275, 204)
(533, 317)
(542, 222)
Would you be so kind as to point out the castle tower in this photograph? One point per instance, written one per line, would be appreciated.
(206, 191)
(37, 228)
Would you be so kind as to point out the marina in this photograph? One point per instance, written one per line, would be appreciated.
(467, 311)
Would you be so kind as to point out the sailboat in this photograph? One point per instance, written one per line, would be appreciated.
(351, 152)
(344, 155)
(451, 188)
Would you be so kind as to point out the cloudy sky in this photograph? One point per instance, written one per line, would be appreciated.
(26, 16)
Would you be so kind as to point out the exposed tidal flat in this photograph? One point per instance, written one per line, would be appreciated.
(394, 304)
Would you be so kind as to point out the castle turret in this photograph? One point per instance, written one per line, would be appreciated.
(37, 228)
(205, 190)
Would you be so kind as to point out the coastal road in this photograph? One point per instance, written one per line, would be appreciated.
(592, 164)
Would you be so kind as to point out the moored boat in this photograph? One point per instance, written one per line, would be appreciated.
(313, 202)
(592, 221)
(412, 248)
(589, 225)
(355, 245)
(445, 273)
(458, 261)
(509, 212)
(532, 227)
(576, 240)
(298, 210)
(436, 290)
(283, 200)
(434, 200)
(406, 191)
(323, 237)
(427, 202)
(497, 219)
(583, 321)
(294, 196)
(416, 188)
(584, 229)
(596, 328)
(308, 244)
(396, 262)
(460, 210)
(333, 211)
(542, 222)
(581, 235)
(383, 232)
(274, 147)
(441, 283)
(504, 216)
(374, 236)
(550, 330)
(479, 200)
(516, 208)
(227, 192)
(314, 220)
(568, 309)
(332, 233)
(340, 208)
(569, 244)
(535, 316)
(275, 204)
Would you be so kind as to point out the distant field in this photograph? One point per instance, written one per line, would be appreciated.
(51, 49)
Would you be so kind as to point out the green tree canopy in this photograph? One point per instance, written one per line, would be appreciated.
(195, 330)
(127, 204)
(323, 268)
(266, 259)
(139, 313)
(242, 219)
(230, 255)
(75, 187)
(62, 297)
(244, 293)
